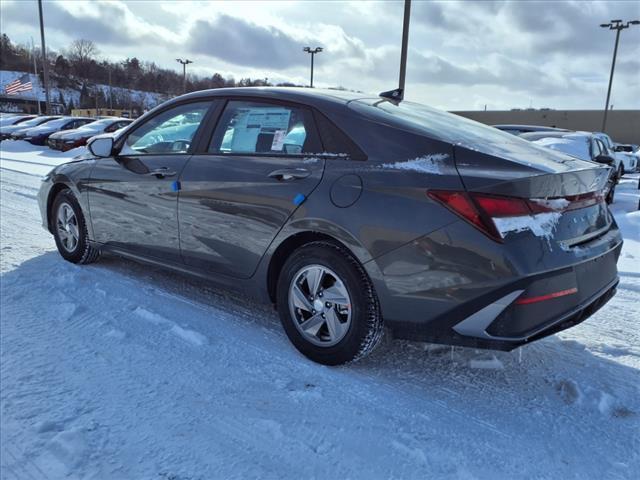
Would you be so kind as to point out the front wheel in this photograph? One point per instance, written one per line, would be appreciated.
(70, 230)
(327, 304)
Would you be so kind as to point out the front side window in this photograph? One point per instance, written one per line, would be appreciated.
(263, 128)
(171, 131)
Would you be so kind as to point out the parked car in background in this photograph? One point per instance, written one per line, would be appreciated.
(9, 130)
(39, 135)
(619, 157)
(14, 119)
(68, 139)
(349, 214)
(631, 156)
(518, 129)
(582, 145)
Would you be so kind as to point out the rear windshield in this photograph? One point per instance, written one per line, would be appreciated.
(436, 123)
(575, 146)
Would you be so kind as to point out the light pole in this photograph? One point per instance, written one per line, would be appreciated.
(313, 53)
(45, 62)
(618, 26)
(184, 63)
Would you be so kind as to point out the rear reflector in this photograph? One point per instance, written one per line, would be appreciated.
(549, 296)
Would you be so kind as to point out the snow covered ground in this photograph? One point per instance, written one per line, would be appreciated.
(121, 371)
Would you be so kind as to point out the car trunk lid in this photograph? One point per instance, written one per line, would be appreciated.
(564, 195)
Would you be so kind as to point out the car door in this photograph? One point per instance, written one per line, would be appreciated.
(235, 196)
(133, 195)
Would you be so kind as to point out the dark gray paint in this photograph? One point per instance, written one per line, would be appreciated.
(430, 269)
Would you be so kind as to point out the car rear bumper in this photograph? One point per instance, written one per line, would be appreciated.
(493, 299)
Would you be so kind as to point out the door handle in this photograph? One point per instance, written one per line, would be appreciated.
(161, 173)
(290, 174)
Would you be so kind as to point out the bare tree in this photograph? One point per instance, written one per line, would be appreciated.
(81, 53)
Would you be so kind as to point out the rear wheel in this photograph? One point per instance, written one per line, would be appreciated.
(70, 230)
(327, 304)
(620, 171)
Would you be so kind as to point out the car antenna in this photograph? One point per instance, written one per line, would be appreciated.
(397, 95)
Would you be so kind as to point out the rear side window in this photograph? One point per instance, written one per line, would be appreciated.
(264, 128)
(335, 141)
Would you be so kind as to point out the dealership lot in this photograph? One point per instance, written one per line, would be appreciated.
(119, 368)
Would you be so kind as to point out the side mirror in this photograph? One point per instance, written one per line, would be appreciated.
(100, 146)
(606, 159)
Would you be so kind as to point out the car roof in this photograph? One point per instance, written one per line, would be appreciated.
(294, 94)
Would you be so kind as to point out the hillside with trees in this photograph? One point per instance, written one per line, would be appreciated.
(80, 69)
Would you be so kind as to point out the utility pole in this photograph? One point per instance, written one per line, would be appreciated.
(618, 26)
(110, 91)
(184, 63)
(35, 72)
(45, 63)
(405, 45)
(313, 53)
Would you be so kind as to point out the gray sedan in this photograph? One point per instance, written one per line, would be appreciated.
(350, 213)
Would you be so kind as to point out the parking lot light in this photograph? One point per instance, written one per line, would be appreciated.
(618, 26)
(312, 52)
(184, 63)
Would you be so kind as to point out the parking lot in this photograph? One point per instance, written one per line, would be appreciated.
(120, 370)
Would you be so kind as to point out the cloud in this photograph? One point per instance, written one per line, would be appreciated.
(242, 43)
(461, 52)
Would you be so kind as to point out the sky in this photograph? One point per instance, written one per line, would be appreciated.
(462, 55)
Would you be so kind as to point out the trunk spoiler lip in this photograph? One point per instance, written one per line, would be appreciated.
(500, 175)
(524, 187)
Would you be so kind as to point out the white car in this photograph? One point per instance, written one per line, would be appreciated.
(618, 157)
(630, 156)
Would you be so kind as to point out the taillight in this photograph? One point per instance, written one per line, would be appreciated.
(462, 204)
(480, 209)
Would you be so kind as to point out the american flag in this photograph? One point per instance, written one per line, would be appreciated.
(22, 84)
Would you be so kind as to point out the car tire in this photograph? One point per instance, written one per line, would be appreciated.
(70, 230)
(348, 323)
(620, 172)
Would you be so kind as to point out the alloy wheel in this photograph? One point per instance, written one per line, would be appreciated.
(320, 305)
(67, 227)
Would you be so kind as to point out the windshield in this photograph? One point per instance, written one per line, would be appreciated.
(575, 146)
(61, 122)
(98, 125)
(34, 122)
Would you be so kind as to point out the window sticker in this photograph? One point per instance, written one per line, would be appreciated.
(278, 140)
(252, 127)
